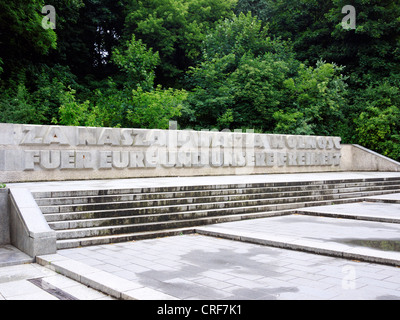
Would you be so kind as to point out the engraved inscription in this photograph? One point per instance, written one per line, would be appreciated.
(81, 148)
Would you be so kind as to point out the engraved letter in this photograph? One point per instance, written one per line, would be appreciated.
(50, 159)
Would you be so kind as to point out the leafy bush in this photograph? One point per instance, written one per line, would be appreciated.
(378, 125)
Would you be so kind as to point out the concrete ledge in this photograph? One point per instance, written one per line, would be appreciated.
(329, 249)
(29, 231)
(105, 282)
(358, 158)
(4, 217)
(11, 256)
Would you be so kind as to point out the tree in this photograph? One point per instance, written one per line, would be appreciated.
(36, 94)
(18, 107)
(258, 8)
(22, 37)
(154, 109)
(247, 79)
(316, 102)
(378, 125)
(138, 63)
(241, 70)
(175, 29)
(370, 51)
(71, 112)
(88, 31)
(134, 101)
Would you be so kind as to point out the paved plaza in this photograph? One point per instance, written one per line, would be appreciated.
(337, 252)
(201, 267)
(35, 282)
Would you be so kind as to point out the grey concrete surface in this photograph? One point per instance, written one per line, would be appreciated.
(29, 230)
(192, 181)
(366, 210)
(199, 267)
(321, 235)
(394, 198)
(280, 258)
(299, 256)
(35, 282)
(4, 217)
(10, 255)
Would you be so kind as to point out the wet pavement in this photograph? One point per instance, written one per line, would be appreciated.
(335, 252)
(199, 267)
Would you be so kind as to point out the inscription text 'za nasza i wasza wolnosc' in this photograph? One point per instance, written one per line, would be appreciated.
(58, 148)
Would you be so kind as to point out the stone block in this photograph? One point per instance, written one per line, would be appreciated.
(57, 153)
(29, 231)
(4, 217)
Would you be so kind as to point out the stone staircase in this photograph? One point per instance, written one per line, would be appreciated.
(92, 217)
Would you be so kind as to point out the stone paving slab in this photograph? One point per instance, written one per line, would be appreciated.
(256, 266)
(16, 283)
(371, 211)
(363, 240)
(390, 198)
(102, 281)
(196, 267)
(9, 255)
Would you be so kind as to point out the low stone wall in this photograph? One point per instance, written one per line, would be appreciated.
(29, 231)
(57, 153)
(358, 158)
(4, 217)
(45, 153)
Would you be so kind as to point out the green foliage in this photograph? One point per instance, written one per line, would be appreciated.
(87, 31)
(378, 125)
(138, 63)
(292, 122)
(241, 71)
(18, 106)
(175, 29)
(71, 112)
(110, 106)
(22, 30)
(137, 108)
(136, 103)
(222, 64)
(225, 120)
(35, 101)
(315, 101)
(259, 8)
(315, 27)
(154, 109)
(372, 49)
(249, 80)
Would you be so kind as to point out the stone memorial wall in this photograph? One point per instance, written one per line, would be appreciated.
(44, 153)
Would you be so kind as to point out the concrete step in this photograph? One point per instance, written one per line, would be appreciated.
(86, 217)
(241, 187)
(199, 199)
(240, 206)
(101, 227)
(154, 218)
(171, 195)
(90, 241)
(395, 200)
(133, 236)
